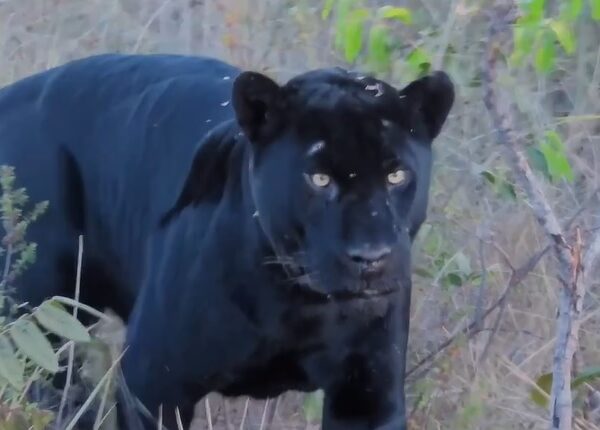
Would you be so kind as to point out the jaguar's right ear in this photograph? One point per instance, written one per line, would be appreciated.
(208, 172)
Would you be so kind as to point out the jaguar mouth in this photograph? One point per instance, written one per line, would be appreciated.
(369, 293)
(361, 293)
(361, 285)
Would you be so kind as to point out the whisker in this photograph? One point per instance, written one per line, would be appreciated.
(303, 279)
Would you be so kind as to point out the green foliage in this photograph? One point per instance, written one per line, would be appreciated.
(313, 406)
(353, 33)
(595, 6)
(419, 61)
(539, 394)
(450, 270)
(534, 9)
(26, 354)
(379, 47)
(536, 33)
(27, 417)
(545, 55)
(30, 341)
(12, 368)
(402, 14)
(327, 8)
(564, 34)
(354, 23)
(473, 409)
(554, 151)
(501, 186)
(57, 320)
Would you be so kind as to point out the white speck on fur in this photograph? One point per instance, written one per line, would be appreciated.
(352, 175)
(225, 103)
(208, 120)
(402, 96)
(375, 87)
(386, 123)
(226, 78)
(316, 147)
(374, 213)
(255, 214)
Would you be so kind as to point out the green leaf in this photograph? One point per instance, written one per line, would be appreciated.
(32, 343)
(575, 7)
(544, 385)
(535, 9)
(489, 176)
(546, 53)
(506, 190)
(353, 34)
(379, 47)
(313, 406)
(11, 368)
(564, 35)
(327, 8)
(474, 278)
(538, 161)
(501, 186)
(595, 6)
(586, 375)
(554, 152)
(524, 37)
(571, 9)
(342, 12)
(401, 14)
(52, 316)
(419, 61)
(454, 279)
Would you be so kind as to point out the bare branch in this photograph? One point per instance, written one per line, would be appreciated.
(517, 276)
(569, 255)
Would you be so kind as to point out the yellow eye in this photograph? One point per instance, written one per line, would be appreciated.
(320, 180)
(398, 177)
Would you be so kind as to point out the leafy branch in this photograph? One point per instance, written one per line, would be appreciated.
(26, 354)
(568, 251)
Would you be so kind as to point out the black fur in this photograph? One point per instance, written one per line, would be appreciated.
(191, 182)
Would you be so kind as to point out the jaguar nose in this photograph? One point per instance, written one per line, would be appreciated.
(369, 259)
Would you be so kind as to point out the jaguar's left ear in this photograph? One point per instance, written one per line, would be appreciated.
(256, 101)
(432, 96)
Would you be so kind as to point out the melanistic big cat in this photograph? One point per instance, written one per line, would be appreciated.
(256, 237)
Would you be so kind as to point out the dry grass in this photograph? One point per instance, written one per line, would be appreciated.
(464, 388)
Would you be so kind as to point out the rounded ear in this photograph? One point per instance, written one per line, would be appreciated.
(255, 99)
(433, 97)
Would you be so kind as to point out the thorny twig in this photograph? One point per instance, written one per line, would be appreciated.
(483, 286)
(516, 277)
(569, 255)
